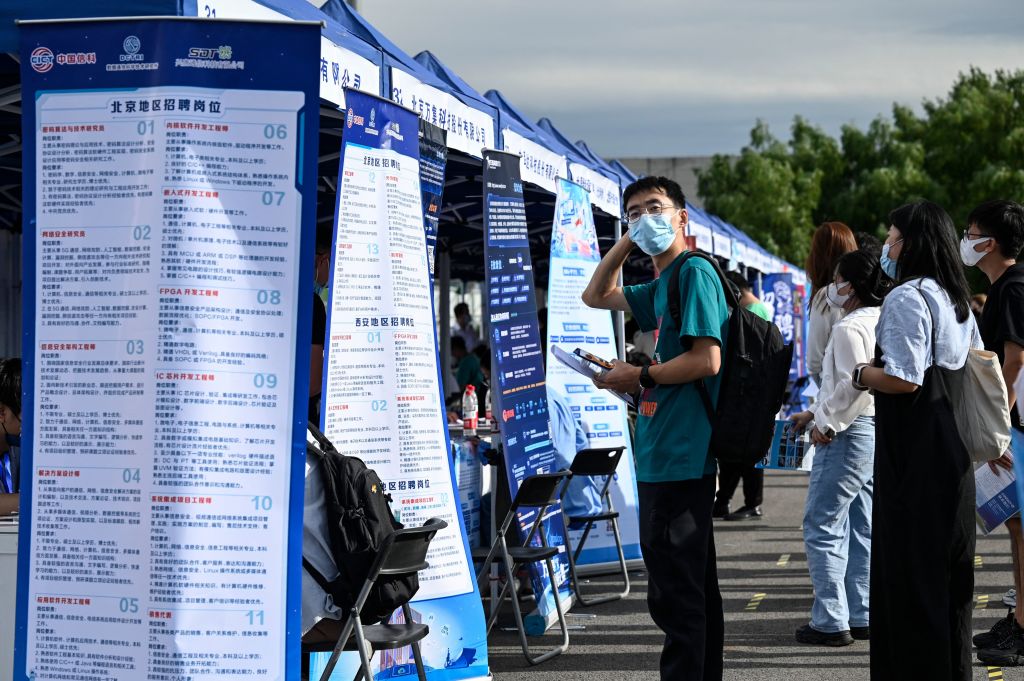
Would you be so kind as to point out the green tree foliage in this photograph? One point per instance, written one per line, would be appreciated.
(962, 150)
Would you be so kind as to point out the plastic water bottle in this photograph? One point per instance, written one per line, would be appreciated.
(470, 411)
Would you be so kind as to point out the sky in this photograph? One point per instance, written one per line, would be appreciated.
(689, 78)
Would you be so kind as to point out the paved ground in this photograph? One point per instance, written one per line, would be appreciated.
(765, 557)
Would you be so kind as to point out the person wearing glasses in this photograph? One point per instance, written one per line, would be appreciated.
(992, 241)
(675, 471)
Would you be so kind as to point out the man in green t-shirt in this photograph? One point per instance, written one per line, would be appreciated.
(675, 471)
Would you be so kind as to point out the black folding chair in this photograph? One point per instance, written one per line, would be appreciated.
(405, 552)
(595, 463)
(537, 492)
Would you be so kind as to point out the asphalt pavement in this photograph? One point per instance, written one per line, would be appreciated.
(767, 594)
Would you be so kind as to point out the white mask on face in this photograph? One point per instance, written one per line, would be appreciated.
(834, 298)
(968, 255)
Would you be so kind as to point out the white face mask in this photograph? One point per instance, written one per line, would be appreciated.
(968, 255)
(834, 298)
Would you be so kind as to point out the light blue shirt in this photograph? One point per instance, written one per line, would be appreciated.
(904, 331)
(568, 437)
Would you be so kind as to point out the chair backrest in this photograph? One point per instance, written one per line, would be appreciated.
(539, 490)
(596, 462)
(407, 550)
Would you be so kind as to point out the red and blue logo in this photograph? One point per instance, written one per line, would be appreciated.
(41, 59)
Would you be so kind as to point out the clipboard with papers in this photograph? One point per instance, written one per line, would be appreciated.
(590, 371)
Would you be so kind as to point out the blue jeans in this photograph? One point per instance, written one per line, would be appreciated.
(837, 528)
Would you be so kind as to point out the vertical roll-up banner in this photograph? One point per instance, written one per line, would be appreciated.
(571, 325)
(781, 298)
(521, 403)
(170, 213)
(382, 388)
(433, 158)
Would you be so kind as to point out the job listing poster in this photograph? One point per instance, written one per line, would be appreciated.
(571, 324)
(382, 391)
(517, 377)
(169, 197)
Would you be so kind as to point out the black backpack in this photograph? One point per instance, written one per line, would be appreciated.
(755, 371)
(359, 520)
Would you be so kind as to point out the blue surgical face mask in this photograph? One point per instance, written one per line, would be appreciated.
(653, 233)
(889, 266)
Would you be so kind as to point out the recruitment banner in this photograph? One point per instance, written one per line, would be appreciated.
(781, 298)
(517, 379)
(170, 210)
(382, 389)
(433, 158)
(571, 325)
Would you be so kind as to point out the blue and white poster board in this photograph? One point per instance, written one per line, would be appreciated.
(790, 450)
(382, 390)
(169, 201)
(571, 324)
(517, 376)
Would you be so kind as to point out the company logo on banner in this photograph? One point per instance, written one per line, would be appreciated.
(338, 68)
(382, 390)
(571, 325)
(176, 461)
(537, 164)
(518, 379)
(469, 130)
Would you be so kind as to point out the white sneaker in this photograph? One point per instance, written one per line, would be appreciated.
(1010, 598)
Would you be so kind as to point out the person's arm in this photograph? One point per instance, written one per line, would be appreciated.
(603, 291)
(1013, 362)
(702, 360)
(875, 378)
(316, 369)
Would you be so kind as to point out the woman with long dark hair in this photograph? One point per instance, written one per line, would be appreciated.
(837, 516)
(831, 241)
(922, 577)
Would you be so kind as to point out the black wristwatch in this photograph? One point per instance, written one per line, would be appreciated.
(646, 380)
(856, 377)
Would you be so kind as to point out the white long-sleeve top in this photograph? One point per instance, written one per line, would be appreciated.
(852, 343)
(823, 318)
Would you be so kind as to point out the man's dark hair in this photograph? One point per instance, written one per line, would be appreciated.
(931, 249)
(460, 308)
(1004, 221)
(655, 182)
(738, 280)
(10, 384)
(869, 243)
(458, 343)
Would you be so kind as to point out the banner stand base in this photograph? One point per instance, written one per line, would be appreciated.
(537, 624)
(599, 569)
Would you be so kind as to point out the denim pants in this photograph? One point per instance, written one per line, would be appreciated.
(837, 528)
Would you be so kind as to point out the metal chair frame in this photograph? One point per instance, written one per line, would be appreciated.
(400, 555)
(537, 492)
(596, 462)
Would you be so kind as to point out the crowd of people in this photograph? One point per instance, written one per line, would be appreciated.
(889, 523)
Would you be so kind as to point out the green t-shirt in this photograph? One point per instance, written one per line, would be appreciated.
(469, 371)
(672, 430)
(761, 310)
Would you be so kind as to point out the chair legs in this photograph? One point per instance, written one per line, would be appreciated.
(574, 556)
(511, 568)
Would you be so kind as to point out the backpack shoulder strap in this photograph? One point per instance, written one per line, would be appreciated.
(677, 317)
